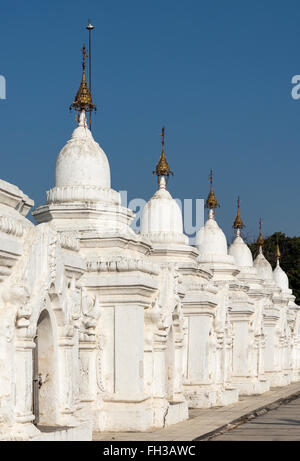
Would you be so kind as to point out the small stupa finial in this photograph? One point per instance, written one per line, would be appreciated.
(238, 223)
(211, 201)
(83, 99)
(278, 254)
(260, 241)
(162, 168)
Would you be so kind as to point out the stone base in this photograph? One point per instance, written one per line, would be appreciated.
(166, 413)
(18, 432)
(29, 432)
(200, 396)
(160, 408)
(176, 412)
(295, 377)
(278, 379)
(251, 386)
(210, 396)
(118, 416)
(81, 433)
(228, 396)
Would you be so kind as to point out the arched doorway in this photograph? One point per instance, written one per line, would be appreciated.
(44, 398)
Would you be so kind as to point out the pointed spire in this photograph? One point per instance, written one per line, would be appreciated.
(162, 168)
(278, 254)
(260, 241)
(83, 99)
(211, 201)
(238, 223)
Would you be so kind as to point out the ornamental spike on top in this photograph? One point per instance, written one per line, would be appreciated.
(83, 99)
(162, 168)
(278, 254)
(211, 201)
(238, 223)
(260, 241)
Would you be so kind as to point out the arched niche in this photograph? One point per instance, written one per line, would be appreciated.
(44, 373)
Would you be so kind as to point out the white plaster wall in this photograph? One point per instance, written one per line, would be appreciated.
(198, 348)
(129, 349)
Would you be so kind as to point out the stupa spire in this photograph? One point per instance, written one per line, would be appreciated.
(260, 241)
(238, 222)
(278, 254)
(211, 201)
(162, 169)
(83, 99)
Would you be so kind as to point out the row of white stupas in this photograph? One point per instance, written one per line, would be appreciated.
(105, 329)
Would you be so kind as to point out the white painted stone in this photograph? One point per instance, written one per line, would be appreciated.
(210, 239)
(263, 267)
(241, 252)
(126, 332)
(82, 162)
(280, 278)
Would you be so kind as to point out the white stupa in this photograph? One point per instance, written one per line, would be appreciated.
(279, 276)
(82, 171)
(263, 267)
(211, 241)
(238, 249)
(82, 189)
(82, 162)
(161, 219)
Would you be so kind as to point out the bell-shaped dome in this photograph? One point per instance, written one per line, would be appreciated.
(162, 213)
(82, 162)
(241, 252)
(263, 267)
(210, 239)
(280, 278)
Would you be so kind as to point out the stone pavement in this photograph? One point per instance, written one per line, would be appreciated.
(281, 424)
(205, 423)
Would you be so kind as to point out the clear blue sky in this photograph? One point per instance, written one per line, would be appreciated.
(217, 74)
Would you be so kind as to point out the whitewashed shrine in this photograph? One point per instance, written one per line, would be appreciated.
(104, 329)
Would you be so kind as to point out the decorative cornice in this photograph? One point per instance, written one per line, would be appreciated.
(236, 286)
(194, 269)
(13, 197)
(11, 226)
(83, 194)
(69, 241)
(120, 264)
(167, 237)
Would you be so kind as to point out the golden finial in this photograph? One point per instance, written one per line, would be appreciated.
(238, 223)
(83, 98)
(163, 168)
(278, 254)
(211, 201)
(260, 241)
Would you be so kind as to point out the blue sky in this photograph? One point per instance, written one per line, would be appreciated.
(217, 74)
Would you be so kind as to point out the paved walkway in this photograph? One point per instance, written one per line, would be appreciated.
(204, 423)
(282, 424)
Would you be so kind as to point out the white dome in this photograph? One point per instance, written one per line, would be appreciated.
(263, 267)
(280, 278)
(82, 162)
(162, 213)
(241, 252)
(210, 239)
